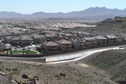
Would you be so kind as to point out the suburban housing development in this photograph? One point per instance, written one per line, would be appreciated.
(62, 41)
(43, 42)
(53, 39)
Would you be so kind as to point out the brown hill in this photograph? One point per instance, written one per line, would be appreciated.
(4, 78)
(108, 26)
(116, 25)
(113, 62)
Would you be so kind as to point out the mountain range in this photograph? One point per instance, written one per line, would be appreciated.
(93, 13)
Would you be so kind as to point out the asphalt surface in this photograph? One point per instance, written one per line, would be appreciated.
(79, 55)
(61, 58)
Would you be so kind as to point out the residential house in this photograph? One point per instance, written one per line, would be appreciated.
(46, 32)
(2, 46)
(120, 39)
(25, 41)
(111, 39)
(61, 35)
(7, 39)
(8, 46)
(90, 41)
(28, 31)
(50, 47)
(2, 35)
(51, 37)
(78, 42)
(38, 39)
(4, 32)
(69, 36)
(15, 32)
(21, 41)
(83, 34)
(80, 33)
(15, 41)
(64, 44)
(56, 29)
(53, 29)
(93, 35)
(101, 40)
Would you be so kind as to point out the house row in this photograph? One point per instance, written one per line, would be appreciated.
(25, 40)
(56, 46)
(62, 40)
(79, 42)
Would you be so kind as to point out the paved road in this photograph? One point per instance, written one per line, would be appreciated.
(62, 58)
(78, 55)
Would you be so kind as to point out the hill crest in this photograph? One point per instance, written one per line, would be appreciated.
(93, 13)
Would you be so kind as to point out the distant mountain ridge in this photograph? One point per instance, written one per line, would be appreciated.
(94, 13)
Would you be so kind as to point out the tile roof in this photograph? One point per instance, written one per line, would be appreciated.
(89, 38)
(37, 36)
(77, 39)
(16, 31)
(16, 38)
(8, 37)
(63, 42)
(50, 35)
(111, 36)
(68, 34)
(50, 44)
(100, 37)
(26, 38)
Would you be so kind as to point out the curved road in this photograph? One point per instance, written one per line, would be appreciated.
(79, 55)
(62, 58)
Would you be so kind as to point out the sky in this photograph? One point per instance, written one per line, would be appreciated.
(54, 6)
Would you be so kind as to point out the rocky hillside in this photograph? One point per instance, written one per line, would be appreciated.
(107, 26)
(113, 62)
(116, 25)
(4, 78)
(52, 74)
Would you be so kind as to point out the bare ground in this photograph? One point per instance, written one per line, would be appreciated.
(78, 72)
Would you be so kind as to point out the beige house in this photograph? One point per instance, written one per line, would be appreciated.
(2, 46)
(38, 38)
(111, 39)
(51, 37)
(90, 41)
(69, 36)
(50, 46)
(7, 39)
(101, 40)
(77, 42)
(21, 41)
(64, 44)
